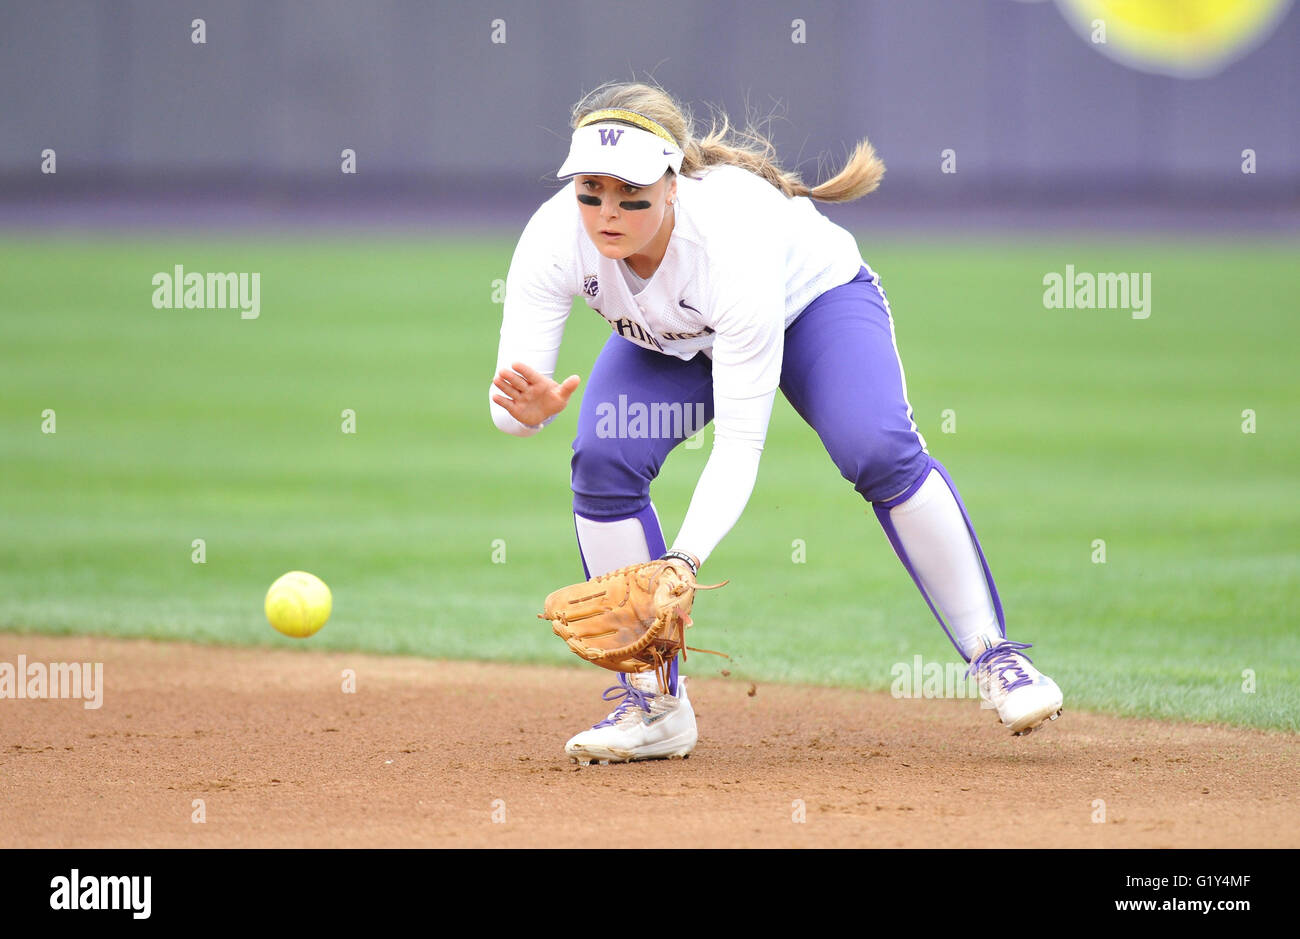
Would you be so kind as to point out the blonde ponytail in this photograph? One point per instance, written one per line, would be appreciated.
(725, 145)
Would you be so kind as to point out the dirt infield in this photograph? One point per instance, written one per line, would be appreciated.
(453, 754)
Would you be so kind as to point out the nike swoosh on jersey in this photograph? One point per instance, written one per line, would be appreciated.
(685, 305)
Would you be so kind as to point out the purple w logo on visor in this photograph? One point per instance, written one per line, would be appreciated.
(609, 136)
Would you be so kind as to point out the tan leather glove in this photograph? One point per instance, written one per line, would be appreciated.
(633, 619)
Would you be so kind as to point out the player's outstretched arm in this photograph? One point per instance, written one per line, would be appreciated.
(529, 396)
(740, 427)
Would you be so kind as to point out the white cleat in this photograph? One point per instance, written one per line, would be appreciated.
(646, 725)
(1024, 696)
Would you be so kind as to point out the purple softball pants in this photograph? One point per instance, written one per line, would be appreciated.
(840, 372)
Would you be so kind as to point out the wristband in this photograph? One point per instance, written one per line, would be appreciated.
(683, 556)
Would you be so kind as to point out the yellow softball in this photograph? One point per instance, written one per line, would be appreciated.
(298, 604)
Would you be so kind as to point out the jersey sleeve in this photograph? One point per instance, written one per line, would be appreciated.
(540, 288)
(728, 478)
(748, 345)
(748, 318)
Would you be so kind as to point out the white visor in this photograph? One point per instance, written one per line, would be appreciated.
(611, 148)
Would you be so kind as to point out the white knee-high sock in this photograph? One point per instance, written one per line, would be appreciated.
(607, 546)
(933, 533)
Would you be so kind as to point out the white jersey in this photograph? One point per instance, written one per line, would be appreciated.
(742, 263)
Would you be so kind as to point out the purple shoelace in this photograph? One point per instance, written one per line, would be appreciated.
(632, 697)
(1002, 659)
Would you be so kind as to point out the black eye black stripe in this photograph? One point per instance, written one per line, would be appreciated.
(634, 205)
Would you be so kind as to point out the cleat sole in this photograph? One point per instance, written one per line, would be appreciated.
(1032, 727)
(587, 759)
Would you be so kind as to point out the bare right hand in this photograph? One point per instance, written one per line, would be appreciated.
(529, 396)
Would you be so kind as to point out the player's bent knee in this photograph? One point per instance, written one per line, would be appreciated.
(881, 465)
(608, 507)
(607, 479)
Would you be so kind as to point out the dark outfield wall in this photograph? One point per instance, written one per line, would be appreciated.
(422, 92)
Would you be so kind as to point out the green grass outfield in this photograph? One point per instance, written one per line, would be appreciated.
(1072, 425)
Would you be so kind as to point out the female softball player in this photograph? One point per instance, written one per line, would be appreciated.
(723, 283)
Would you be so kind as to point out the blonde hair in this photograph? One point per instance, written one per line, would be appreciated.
(727, 145)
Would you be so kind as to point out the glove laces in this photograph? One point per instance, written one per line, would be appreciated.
(1003, 663)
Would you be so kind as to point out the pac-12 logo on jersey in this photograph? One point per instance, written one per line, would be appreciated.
(590, 286)
(609, 136)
